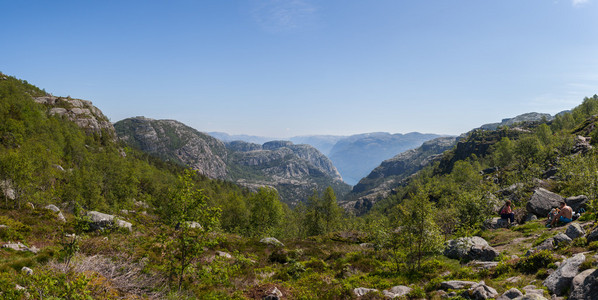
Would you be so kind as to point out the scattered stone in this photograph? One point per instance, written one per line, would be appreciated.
(575, 231)
(193, 224)
(274, 294)
(30, 206)
(55, 209)
(271, 241)
(471, 248)
(7, 189)
(27, 270)
(530, 217)
(510, 294)
(361, 291)
(561, 239)
(559, 281)
(456, 284)
(397, 291)
(542, 202)
(513, 279)
(484, 264)
(582, 145)
(585, 286)
(20, 247)
(593, 235)
(480, 291)
(532, 289)
(101, 221)
(58, 167)
(224, 254)
(366, 245)
(531, 297)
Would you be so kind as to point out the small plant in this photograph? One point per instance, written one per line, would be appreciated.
(535, 262)
(70, 247)
(593, 246)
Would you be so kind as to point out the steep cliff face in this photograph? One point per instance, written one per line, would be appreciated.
(175, 141)
(294, 170)
(389, 174)
(82, 112)
(357, 155)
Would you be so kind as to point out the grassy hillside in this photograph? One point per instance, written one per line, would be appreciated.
(195, 238)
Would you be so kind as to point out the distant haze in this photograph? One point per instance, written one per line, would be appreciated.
(289, 68)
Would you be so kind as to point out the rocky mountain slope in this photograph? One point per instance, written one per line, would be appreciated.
(527, 117)
(172, 140)
(294, 170)
(390, 173)
(356, 156)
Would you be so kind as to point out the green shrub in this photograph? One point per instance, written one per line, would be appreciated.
(535, 262)
(593, 246)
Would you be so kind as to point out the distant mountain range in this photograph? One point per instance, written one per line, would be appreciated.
(294, 170)
(354, 156)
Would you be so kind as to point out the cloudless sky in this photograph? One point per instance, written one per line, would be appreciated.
(296, 67)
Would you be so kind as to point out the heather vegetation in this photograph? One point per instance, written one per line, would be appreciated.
(178, 235)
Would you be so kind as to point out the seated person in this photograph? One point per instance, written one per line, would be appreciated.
(506, 212)
(565, 214)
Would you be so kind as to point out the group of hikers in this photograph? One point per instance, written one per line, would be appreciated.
(564, 214)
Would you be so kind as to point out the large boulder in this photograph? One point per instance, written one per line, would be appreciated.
(101, 221)
(585, 286)
(531, 297)
(560, 280)
(470, 248)
(542, 202)
(577, 202)
(593, 235)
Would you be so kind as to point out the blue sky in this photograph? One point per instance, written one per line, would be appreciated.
(298, 67)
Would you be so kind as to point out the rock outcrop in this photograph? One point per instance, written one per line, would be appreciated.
(81, 112)
(293, 170)
(174, 141)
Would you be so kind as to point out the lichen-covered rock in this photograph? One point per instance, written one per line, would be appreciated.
(81, 112)
(456, 284)
(20, 247)
(271, 241)
(471, 248)
(397, 291)
(55, 209)
(27, 270)
(361, 291)
(101, 221)
(560, 280)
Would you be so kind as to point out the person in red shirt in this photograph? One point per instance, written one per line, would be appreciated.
(506, 212)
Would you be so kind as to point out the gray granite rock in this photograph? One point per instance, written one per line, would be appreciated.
(397, 291)
(574, 231)
(560, 280)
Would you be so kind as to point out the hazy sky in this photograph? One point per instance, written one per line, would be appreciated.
(286, 68)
